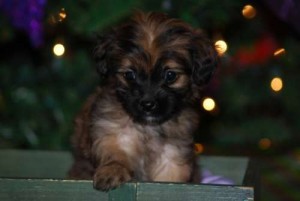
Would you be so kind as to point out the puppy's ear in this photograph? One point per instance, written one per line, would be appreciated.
(204, 59)
(102, 54)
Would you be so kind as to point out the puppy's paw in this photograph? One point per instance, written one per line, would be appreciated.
(111, 176)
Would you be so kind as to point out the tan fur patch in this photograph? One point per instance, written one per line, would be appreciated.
(169, 168)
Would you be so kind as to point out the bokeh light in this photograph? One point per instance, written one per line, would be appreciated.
(249, 11)
(58, 49)
(208, 104)
(199, 148)
(264, 143)
(62, 14)
(58, 16)
(276, 84)
(221, 46)
(279, 52)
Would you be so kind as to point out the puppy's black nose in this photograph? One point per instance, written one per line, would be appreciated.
(148, 105)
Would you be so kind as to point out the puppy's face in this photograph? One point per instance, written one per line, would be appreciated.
(153, 95)
(156, 65)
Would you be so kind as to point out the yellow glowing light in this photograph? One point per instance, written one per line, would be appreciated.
(221, 46)
(276, 84)
(279, 52)
(199, 148)
(62, 14)
(58, 49)
(249, 12)
(208, 104)
(264, 143)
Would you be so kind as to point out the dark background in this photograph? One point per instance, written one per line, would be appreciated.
(40, 93)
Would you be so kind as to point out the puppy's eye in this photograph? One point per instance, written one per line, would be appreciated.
(170, 76)
(129, 75)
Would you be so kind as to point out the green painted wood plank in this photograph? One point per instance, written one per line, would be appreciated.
(34, 164)
(48, 190)
(124, 192)
(49, 164)
(182, 192)
(233, 168)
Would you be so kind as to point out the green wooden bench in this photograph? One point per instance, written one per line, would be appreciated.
(39, 175)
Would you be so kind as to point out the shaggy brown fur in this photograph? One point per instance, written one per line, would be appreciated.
(139, 124)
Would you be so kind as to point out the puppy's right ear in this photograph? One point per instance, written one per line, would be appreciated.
(204, 58)
(102, 54)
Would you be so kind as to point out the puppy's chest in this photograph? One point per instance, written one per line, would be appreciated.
(147, 148)
(140, 143)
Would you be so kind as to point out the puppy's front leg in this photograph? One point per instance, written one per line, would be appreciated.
(111, 175)
(113, 167)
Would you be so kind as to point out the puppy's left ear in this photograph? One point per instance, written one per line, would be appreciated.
(204, 59)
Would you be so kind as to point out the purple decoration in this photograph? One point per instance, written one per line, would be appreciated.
(26, 15)
(209, 178)
(286, 10)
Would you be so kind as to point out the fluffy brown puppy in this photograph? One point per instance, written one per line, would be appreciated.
(139, 124)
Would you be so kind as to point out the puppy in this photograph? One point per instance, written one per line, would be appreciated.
(139, 124)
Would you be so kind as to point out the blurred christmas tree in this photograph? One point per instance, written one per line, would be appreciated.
(42, 90)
